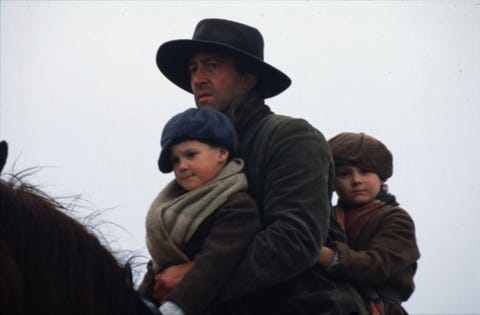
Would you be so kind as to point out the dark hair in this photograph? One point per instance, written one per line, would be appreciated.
(52, 264)
(244, 65)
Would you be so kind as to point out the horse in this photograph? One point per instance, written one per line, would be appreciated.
(50, 263)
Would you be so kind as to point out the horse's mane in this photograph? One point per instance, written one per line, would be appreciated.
(52, 264)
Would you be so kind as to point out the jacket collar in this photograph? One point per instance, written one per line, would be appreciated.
(246, 111)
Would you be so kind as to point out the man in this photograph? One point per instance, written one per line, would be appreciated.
(289, 169)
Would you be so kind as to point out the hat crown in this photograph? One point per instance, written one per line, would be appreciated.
(363, 151)
(236, 35)
(204, 124)
(223, 36)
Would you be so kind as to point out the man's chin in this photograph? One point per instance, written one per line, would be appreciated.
(202, 104)
(207, 105)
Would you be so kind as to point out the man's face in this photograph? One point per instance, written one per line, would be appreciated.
(215, 80)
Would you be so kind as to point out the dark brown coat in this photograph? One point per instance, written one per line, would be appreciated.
(383, 257)
(217, 247)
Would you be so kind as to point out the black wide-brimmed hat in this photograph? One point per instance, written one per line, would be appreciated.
(226, 36)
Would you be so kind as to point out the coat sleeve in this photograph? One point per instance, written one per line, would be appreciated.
(391, 249)
(292, 169)
(234, 225)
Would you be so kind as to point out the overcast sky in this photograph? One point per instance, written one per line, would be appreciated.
(81, 96)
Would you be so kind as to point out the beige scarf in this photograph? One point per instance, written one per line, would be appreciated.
(175, 214)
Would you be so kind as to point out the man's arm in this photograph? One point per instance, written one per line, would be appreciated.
(168, 279)
(292, 173)
(297, 174)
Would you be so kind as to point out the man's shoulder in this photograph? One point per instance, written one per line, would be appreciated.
(286, 125)
(284, 121)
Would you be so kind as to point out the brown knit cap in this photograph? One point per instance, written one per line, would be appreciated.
(364, 151)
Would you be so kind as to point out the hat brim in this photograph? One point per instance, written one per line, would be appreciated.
(173, 58)
(164, 165)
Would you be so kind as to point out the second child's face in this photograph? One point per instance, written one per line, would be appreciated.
(195, 163)
(356, 186)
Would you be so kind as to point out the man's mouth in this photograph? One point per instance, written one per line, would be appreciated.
(203, 96)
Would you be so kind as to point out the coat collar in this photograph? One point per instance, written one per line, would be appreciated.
(247, 111)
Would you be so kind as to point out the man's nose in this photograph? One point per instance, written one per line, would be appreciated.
(198, 76)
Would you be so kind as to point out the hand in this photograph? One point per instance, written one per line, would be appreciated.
(325, 259)
(168, 279)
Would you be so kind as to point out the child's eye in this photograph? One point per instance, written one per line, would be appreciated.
(191, 154)
(174, 160)
(364, 171)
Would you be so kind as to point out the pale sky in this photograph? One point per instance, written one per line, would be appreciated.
(81, 96)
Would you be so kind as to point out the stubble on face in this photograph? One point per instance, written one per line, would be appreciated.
(215, 81)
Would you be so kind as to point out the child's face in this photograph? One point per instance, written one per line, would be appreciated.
(196, 163)
(356, 186)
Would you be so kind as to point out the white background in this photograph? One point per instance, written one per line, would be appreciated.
(82, 98)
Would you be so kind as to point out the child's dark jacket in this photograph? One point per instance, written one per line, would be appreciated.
(382, 257)
(211, 225)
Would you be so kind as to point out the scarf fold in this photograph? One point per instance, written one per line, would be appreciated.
(175, 214)
(353, 220)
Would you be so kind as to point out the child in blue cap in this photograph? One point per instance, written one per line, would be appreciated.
(205, 215)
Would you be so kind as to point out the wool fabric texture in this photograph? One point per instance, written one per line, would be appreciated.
(175, 214)
(381, 253)
(290, 174)
(364, 151)
(353, 220)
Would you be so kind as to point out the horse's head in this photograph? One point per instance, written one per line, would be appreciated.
(52, 264)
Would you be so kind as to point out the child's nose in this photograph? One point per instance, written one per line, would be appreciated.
(182, 164)
(356, 178)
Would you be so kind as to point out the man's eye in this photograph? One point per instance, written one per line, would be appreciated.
(212, 65)
(192, 68)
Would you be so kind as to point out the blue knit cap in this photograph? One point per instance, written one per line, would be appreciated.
(204, 124)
